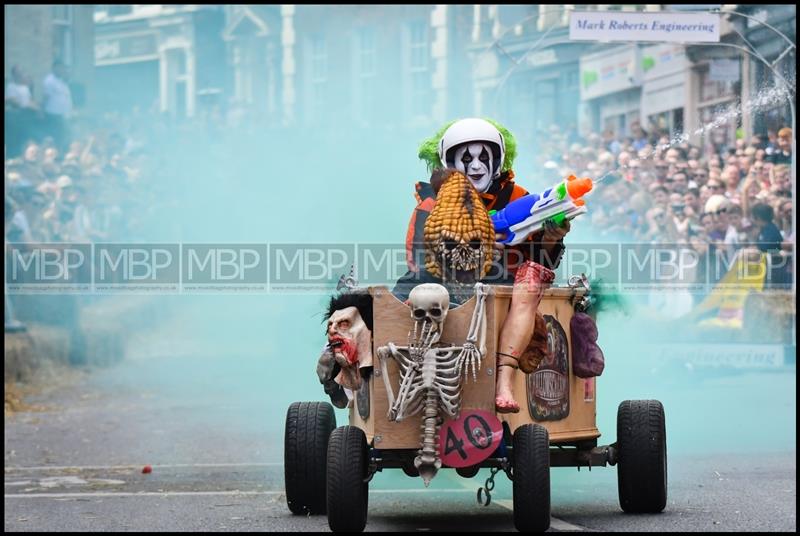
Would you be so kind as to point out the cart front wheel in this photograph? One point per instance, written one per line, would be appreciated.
(347, 488)
(531, 478)
(642, 455)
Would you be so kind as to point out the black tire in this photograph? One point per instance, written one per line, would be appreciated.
(348, 491)
(305, 455)
(531, 478)
(642, 456)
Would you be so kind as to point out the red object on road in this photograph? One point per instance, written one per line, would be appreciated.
(147, 469)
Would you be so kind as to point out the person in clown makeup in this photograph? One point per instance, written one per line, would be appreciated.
(484, 151)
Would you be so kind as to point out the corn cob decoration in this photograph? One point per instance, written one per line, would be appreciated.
(458, 232)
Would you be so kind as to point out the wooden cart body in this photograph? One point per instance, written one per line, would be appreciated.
(573, 423)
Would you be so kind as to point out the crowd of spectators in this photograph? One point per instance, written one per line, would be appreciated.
(655, 189)
(67, 178)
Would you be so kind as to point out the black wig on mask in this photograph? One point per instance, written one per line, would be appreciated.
(360, 300)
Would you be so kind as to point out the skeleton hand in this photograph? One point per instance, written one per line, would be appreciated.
(419, 344)
(469, 357)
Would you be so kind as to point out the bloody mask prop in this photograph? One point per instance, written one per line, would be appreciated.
(349, 341)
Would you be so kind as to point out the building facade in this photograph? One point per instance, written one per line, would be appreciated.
(396, 66)
(253, 37)
(172, 58)
(37, 35)
(526, 68)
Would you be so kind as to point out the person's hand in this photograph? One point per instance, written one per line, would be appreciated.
(550, 233)
(498, 246)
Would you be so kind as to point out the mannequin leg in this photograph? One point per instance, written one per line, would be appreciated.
(529, 285)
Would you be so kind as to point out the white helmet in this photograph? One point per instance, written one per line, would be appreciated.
(470, 130)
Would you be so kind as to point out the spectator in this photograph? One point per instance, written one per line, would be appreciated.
(732, 234)
(732, 180)
(677, 210)
(20, 113)
(770, 241)
(680, 183)
(640, 140)
(769, 236)
(659, 194)
(691, 200)
(18, 92)
(781, 182)
(57, 104)
(782, 154)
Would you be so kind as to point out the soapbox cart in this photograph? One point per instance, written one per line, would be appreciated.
(328, 468)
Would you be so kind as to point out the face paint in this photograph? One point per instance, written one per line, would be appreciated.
(476, 162)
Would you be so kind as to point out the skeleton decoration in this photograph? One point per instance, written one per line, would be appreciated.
(430, 372)
(458, 233)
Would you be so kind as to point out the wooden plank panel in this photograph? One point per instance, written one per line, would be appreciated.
(580, 422)
(392, 323)
(367, 425)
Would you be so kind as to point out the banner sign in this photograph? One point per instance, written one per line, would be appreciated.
(644, 26)
(739, 356)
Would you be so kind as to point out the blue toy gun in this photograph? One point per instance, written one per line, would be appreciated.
(527, 214)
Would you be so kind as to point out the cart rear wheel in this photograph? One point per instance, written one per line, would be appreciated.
(642, 455)
(347, 488)
(308, 427)
(531, 478)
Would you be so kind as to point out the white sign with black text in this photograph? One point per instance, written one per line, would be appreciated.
(644, 26)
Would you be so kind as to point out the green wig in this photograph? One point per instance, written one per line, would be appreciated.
(429, 150)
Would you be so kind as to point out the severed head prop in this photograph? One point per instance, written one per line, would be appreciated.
(350, 341)
(349, 347)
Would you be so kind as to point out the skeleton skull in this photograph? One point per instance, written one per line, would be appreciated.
(350, 341)
(429, 305)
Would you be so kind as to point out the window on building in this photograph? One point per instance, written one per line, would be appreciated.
(62, 33)
(419, 72)
(366, 72)
(717, 100)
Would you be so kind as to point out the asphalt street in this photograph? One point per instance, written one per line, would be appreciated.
(212, 430)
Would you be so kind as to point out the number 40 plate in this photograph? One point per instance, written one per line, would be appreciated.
(470, 439)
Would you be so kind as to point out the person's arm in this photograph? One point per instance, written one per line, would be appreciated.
(547, 245)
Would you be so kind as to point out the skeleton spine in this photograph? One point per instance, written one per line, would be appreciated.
(430, 428)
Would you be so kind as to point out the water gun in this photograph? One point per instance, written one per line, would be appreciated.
(528, 213)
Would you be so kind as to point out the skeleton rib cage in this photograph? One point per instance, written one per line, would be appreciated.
(430, 375)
